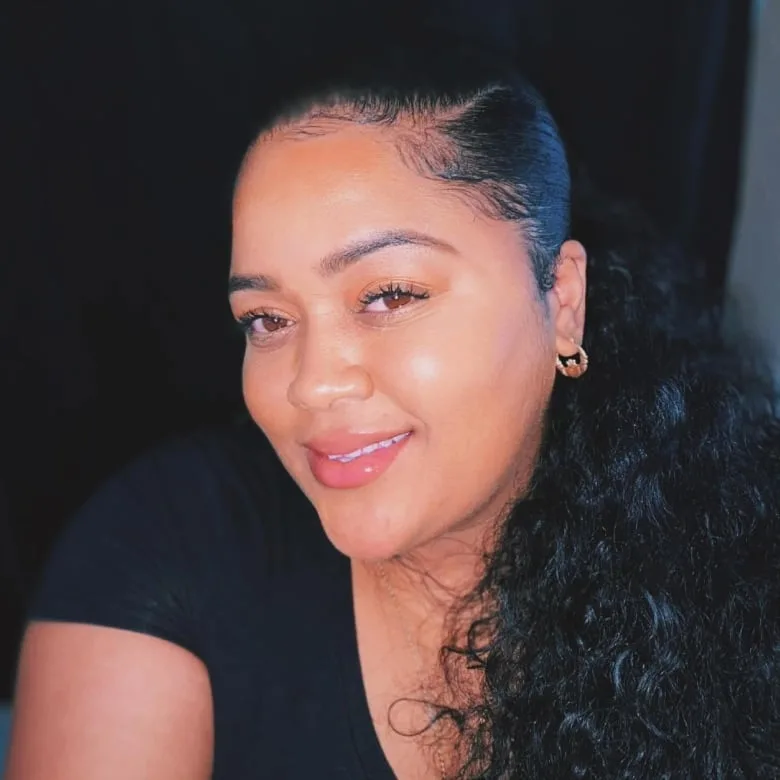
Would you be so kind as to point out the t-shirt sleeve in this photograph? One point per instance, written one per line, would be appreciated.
(125, 560)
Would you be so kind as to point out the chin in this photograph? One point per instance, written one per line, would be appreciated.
(363, 535)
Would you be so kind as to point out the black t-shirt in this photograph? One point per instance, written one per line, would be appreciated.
(208, 543)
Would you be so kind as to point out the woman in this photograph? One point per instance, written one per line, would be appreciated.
(496, 557)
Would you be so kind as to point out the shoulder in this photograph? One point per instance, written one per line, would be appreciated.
(94, 702)
(198, 519)
(192, 484)
(198, 484)
(189, 466)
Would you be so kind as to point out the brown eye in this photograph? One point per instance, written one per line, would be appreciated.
(397, 299)
(270, 323)
(392, 297)
(258, 326)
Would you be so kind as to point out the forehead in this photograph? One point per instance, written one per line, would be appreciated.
(331, 164)
(309, 192)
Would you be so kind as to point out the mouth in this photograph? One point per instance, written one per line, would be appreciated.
(348, 457)
(338, 463)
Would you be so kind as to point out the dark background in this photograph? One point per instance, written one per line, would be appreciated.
(126, 125)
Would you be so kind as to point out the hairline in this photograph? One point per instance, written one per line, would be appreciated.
(324, 117)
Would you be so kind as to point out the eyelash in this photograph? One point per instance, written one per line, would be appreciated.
(245, 322)
(397, 289)
(394, 289)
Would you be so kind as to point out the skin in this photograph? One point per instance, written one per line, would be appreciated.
(468, 368)
(95, 702)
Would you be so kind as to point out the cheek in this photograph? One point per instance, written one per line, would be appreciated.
(265, 393)
(413, 368)
(483, 364)
(479, 387)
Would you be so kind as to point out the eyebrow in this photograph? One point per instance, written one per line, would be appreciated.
(348, 255)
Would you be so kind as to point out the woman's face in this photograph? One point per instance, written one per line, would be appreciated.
(399, 357)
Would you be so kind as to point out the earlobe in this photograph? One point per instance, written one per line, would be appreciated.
(569, 291)
(573, 366)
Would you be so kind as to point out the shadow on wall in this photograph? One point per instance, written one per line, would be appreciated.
(754, 281)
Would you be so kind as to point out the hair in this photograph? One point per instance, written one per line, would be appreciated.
(632, 596)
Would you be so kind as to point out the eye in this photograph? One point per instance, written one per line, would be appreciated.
(261, 325)
(392, 297)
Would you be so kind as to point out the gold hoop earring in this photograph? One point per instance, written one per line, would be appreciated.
(573, 366)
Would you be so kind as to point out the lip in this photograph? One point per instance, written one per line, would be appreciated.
(343, 442)
(360, 470)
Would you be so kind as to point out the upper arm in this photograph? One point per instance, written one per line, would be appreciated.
(95, 702)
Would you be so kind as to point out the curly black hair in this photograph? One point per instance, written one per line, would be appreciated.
(633, 628)
(636, 630)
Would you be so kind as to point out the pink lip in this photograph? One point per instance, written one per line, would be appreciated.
(357, 472)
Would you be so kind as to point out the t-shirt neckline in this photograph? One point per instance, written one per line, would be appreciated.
(369, 751)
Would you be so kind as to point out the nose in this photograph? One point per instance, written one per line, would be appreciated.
(328, 372)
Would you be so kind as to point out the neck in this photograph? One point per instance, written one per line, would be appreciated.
(424, 587)
(451, 565)
(428, 584)
(445, 570)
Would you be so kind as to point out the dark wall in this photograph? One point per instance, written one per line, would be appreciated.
(127, 122)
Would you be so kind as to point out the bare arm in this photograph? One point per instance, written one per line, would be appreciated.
(95, 702)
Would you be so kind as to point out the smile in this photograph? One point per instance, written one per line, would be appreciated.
(384, 444)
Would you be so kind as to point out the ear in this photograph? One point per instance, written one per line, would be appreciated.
(566, 299)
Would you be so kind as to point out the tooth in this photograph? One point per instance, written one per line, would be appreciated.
(350, 456)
